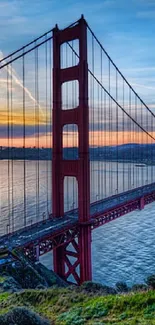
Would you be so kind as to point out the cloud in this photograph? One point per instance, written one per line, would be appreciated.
(114, 21)
(142, 86)
(18, 131)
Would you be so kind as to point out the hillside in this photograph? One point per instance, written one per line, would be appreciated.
(144, 153)
(70, 306)
(30, 294)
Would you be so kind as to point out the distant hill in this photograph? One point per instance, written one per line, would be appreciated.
(128, 152)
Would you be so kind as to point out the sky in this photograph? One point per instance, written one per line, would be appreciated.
(126, 29)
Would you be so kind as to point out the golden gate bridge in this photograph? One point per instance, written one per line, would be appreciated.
(64, 102)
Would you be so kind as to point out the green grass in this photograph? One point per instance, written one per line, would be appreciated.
(70, 307)
(2, 279)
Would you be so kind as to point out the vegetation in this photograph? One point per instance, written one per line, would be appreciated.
(32, 295)
(76, 306)
(21, 315)
(151, 281)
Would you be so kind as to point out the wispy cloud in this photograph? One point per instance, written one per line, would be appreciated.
(142, 86)
(128, 40)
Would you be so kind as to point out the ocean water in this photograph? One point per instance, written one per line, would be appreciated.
(123, 250)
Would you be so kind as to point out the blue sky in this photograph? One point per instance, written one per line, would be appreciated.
(125, 28)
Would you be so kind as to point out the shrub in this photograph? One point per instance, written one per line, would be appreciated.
(96, 288)
(22, 315)
(139, 287)
(121, 287)
(150, 281)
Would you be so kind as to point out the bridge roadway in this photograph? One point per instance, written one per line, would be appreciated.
(55, 227)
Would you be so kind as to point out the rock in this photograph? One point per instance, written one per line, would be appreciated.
(10, 285)
(22, 316)
(25, 275)
(50, 277)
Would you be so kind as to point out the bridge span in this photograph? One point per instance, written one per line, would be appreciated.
(44, 236)
(63, 94)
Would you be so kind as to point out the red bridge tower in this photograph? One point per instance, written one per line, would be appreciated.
(81, 268)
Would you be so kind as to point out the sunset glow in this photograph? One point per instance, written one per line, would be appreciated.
(71, 140)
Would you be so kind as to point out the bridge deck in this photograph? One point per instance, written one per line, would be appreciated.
(106, 204)
(51, 227)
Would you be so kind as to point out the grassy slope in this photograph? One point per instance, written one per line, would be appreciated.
(70, 307)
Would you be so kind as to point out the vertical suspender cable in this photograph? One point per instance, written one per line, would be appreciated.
(124, 187)
(23, 64)
(98, 138)
(123, 140)
(147, 143)
(136, 141)
(129, 164)
(38, 140)
(8, 137)
(93, 116)
(133, 140)
(36, 134)
(105, 146)
(151, 151)
(141, 151)
(109, 131)
(12, 151)
(102, 127)
(46, 121)
(117, 144)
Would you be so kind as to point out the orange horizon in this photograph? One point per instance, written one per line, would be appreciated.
(71, 139)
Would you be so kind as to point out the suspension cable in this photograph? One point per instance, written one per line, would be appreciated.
(115, 99)
(99, 43)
